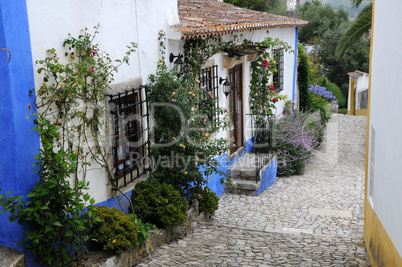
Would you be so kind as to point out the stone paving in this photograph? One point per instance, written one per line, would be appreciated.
(315, 219)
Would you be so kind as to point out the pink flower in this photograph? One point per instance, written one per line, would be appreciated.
(199, 195)
(91, 70)
(265, 63)
(94, 52)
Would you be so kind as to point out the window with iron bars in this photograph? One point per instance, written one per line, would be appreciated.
(130, 132)
(209, 83)
(278, 76)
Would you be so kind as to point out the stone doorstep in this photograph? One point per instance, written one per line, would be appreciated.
(243, 175)
(155, 240)
(11, 257)
(246, 185)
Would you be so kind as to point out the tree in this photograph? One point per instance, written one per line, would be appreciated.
(302, 78)
(249, 4)
(320, 19)
(357, 57)
(271, 6)
(356, 31)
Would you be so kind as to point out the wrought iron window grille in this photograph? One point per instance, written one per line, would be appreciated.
(209, 84)
(278, 76)
(130, 135)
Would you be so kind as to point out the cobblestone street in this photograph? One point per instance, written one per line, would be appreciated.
(311, 220)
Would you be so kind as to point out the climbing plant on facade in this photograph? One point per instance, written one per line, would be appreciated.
(182, 129)
(263, 96)
(72, 125)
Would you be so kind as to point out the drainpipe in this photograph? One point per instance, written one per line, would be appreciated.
(138, 38)
(295, 65)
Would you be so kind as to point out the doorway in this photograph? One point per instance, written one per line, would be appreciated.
(236, 106)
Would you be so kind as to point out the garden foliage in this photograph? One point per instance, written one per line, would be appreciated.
(71, 102)
(184, 128)
(296, 137)
(303, 71)
(115, 231)
(262, 91)
(208, 201)
(159, 204)
(53, 237)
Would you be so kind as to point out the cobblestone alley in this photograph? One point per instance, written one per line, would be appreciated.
(311, 220)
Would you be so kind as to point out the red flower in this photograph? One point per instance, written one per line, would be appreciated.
(91, 70)
(275, 100)
(272, 88)
(317, 99)
(265, 63)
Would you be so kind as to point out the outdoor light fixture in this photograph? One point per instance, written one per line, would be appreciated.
(179, 59)
(226, 85)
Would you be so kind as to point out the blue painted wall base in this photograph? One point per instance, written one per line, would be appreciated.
(268, 177)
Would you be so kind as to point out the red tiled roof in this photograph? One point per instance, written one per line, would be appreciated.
(357, 73)
(211, 17)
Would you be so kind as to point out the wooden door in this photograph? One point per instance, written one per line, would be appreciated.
(236, 105)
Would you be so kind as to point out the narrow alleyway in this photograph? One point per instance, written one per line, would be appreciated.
(311, 220)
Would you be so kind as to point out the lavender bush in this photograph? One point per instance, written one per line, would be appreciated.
(296, 136)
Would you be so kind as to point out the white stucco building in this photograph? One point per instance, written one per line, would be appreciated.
(383, 210)
(358, 93)
(29, 28)
(123, 21)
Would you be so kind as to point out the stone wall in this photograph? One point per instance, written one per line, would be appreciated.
(156, 239)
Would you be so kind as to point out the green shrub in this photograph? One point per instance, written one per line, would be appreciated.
(116, 231)
(321, 105)
(303, 73)
(313, 122)
(336, 91)
(343, 111)
(144, 229)
(159, 204)
(209, 202)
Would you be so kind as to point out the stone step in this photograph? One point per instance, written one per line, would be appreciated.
(243, 187)
(246, 167)
(243, 174)
(11, 257)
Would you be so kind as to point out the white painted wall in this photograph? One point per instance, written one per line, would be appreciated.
(284, 34)
(122, 22)
(385, 118)
(125, 21)
(362, 83)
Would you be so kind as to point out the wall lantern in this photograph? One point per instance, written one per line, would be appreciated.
(179, 59)
(226, 86)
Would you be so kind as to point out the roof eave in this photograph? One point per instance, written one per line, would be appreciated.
(194, 32)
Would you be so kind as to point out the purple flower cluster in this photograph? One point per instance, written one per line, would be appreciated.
(295, 139)
(322, 91)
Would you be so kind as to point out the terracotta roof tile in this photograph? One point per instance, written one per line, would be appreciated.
(211, 17)
(357, 73)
